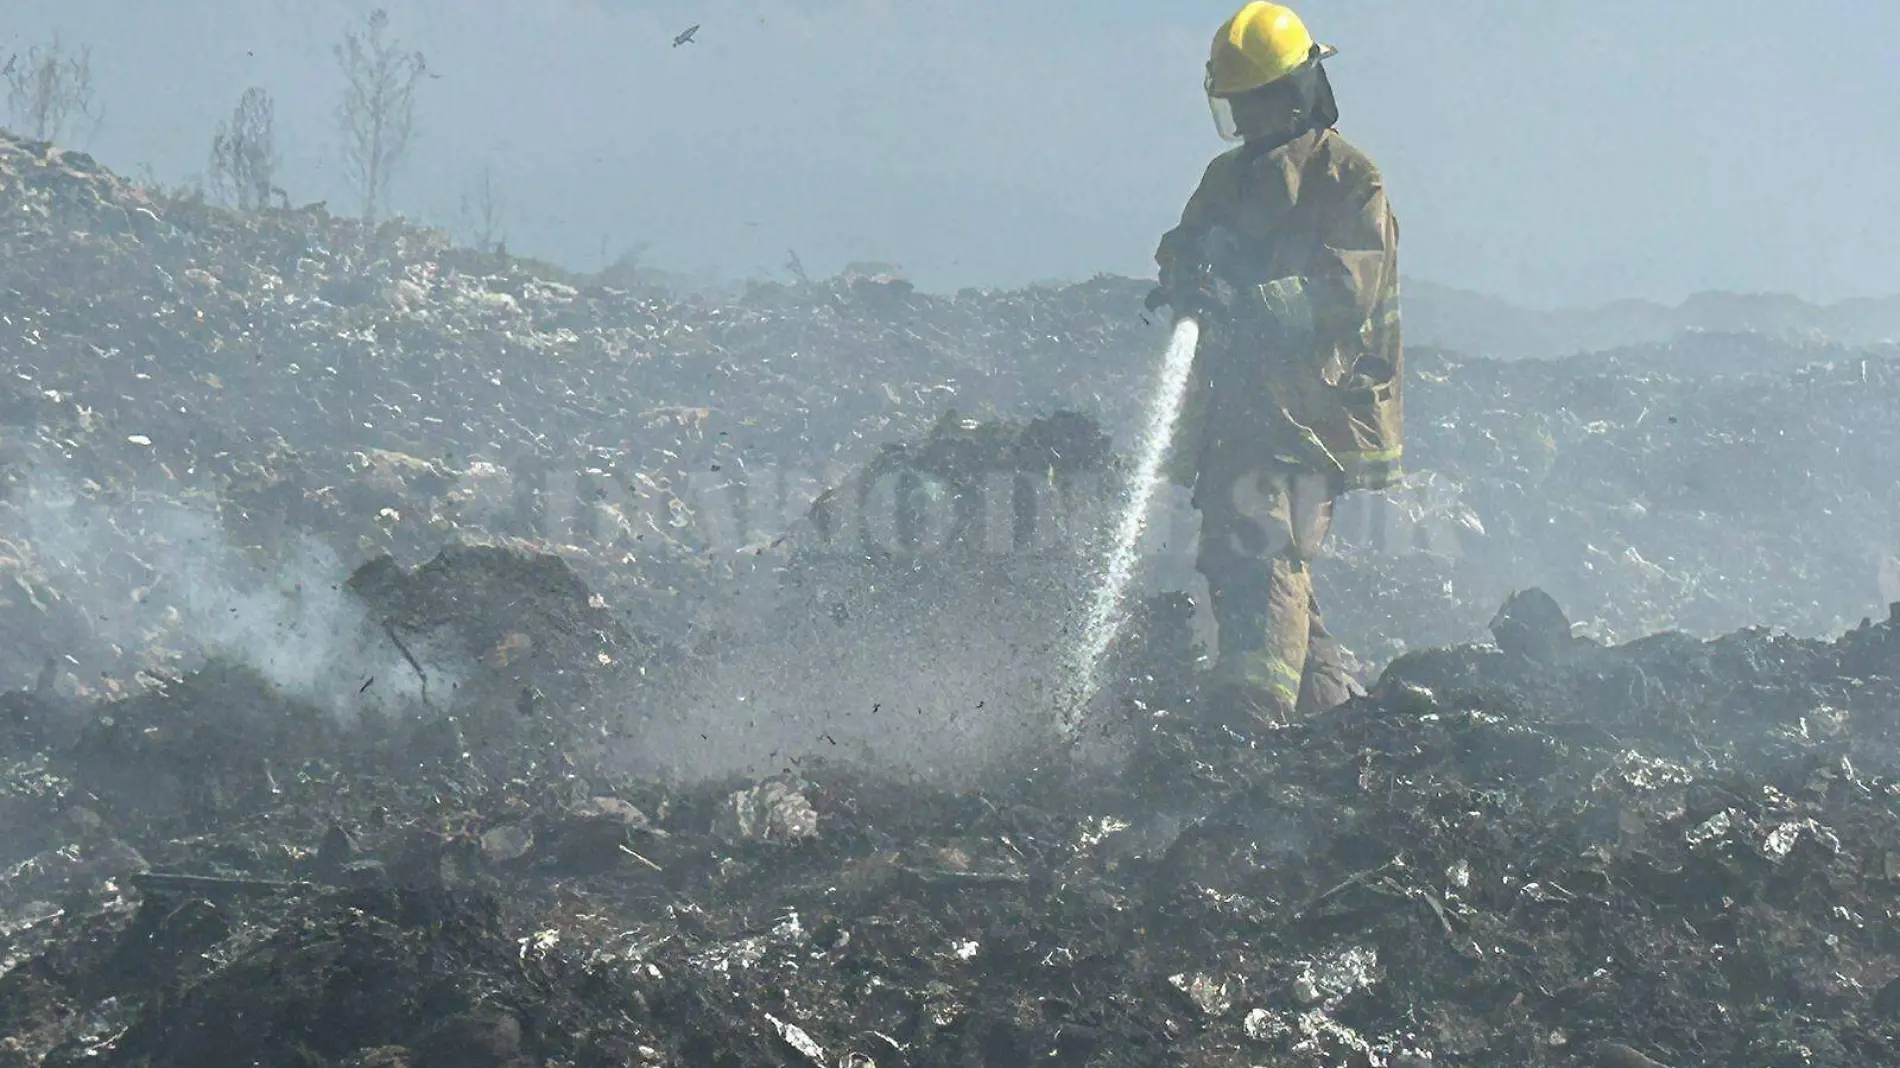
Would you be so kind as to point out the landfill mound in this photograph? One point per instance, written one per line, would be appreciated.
(1707, 485)
(1536, 851)
(1470, 322)
(196, 397)
(295, 376)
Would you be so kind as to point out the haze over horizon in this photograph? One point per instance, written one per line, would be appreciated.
(1558, 154)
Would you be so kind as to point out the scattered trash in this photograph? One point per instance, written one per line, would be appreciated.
(770, 812)
(510, 841)
(800, 1042)
(1213, 996)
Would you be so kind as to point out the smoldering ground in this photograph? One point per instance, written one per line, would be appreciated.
(147, 582)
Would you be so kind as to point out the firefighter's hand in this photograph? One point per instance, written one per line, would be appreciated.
(1185, 303)
(1200, 295)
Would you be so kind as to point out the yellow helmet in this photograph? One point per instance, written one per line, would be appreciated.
(1261, 44)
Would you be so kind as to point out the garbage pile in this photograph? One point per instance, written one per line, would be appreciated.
(386, 393)
(1537, 851)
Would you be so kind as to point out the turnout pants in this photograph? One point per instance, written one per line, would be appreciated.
(1259, 532)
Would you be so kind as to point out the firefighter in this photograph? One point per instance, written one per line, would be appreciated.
(1287, 258)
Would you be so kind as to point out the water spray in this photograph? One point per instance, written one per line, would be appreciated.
(1105, 615)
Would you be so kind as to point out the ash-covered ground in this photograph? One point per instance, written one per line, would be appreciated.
(418, 657)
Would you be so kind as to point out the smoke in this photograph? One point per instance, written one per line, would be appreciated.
(1887, 578)
(151, 583)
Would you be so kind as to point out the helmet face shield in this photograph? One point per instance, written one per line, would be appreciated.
(1279, 110)
(1223, 111)
(1224, 123)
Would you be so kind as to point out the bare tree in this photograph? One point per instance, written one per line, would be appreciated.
(244, 152)
(46, 88)
(378, 110)
(482, 214)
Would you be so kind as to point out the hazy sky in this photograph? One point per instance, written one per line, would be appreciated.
(1556, 152)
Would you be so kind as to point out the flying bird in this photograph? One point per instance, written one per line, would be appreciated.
(686, 35)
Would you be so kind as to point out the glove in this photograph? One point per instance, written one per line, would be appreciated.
(1193, 292)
